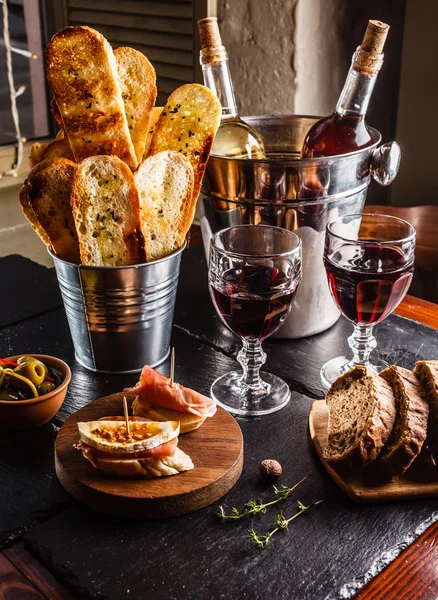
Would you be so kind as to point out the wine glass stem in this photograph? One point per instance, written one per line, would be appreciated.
(362, 342)
(252, 357)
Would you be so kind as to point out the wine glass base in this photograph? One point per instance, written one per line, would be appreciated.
(241, 400)
(341, 364)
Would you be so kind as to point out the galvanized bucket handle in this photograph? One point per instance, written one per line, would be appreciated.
(385, 161)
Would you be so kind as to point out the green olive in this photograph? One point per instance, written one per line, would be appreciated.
(32, 359)
(2, 376)
(8, 395)
(20, 383)
(32, 370)
(46, 387)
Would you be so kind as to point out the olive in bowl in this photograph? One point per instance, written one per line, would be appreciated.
(31, 391)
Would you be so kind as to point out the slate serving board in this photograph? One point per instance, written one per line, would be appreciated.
(329, 552)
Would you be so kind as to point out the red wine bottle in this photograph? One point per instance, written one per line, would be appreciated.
(345, 129)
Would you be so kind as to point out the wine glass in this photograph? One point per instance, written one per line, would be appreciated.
(369, 260)
(254, 271)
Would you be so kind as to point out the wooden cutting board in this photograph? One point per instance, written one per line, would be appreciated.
(371, 485)
(216, 449)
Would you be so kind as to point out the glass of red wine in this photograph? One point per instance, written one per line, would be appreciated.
(254, 272)
(369, 260)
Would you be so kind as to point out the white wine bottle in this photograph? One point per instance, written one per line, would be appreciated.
(234, 138)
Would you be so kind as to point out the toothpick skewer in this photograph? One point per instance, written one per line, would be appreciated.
(172, 366)
(125, 410)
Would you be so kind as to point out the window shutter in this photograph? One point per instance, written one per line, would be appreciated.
(163, 30)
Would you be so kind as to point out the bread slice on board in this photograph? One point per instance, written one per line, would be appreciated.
(427, 372)
(45, 201)
(138, 84)
(410, 428)
(82, 72)
(188, 124)
(361, 417)
(106, 210)
(187, 421)
(165, 186)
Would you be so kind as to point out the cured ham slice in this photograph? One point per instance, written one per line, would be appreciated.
(156, 390)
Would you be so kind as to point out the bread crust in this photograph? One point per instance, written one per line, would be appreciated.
(410, 428)
(45, 201)
(106, 210)
(82, 72)
(427, 372)
(188, 124)
(379, 423)
(137, 81)
(58, 149)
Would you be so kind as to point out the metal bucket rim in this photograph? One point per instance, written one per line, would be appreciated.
(115, 268)
(303, 161)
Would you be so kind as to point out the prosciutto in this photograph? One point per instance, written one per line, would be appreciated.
(157, 390)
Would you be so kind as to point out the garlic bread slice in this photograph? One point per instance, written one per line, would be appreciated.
(59, 149)
(45, 201)
(156, 112)
(82, 72)
(36, 153)
(165, 185)
(137, 81)
(188, 124)
(106, 210)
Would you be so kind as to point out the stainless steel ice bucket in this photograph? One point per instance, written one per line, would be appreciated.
(120, 318)
(299, 195)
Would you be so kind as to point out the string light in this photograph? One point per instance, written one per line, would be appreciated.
(13, 95)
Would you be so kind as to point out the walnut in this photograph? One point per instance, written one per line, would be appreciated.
(270, 469)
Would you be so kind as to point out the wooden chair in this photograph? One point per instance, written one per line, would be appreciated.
(425, 220)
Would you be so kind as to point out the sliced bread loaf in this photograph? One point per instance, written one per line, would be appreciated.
(45, 201)
(361, 417)
(410, 428)
(165, 186)
(106, 210)
(427, 372)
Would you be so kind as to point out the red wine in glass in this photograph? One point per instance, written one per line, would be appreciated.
(368, 281)
(254, 300)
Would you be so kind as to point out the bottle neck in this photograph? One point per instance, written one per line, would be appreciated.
(217, 77)
(355, 96)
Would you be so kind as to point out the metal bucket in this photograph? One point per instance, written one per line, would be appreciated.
(299, 195)
(120, 318)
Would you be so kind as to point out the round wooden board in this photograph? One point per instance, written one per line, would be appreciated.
(216, 449)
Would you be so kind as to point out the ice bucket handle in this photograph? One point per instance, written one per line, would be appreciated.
(385, 161)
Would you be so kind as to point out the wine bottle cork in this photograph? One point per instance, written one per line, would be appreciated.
(369, 56)
(212, 49)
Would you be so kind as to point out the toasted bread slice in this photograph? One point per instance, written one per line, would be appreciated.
(82, 72)
(187, 421)
(427, 372)
(58, 149)
(410, 427)
(106, 210)
(45, 201)
(60, 135)
(155, 115)
(165, 186)
(188, 124)
(36, 153)
(55, 111)
(145, 468)
(137, 81)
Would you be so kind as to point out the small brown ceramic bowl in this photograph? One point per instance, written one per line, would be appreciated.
(27, 414)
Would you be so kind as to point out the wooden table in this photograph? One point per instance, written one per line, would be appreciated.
(53, 548)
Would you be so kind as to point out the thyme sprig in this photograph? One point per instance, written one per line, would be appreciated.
(254, 507)
(280, 523)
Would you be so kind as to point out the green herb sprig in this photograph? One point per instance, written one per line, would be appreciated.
(280, 523)
(255, 507)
